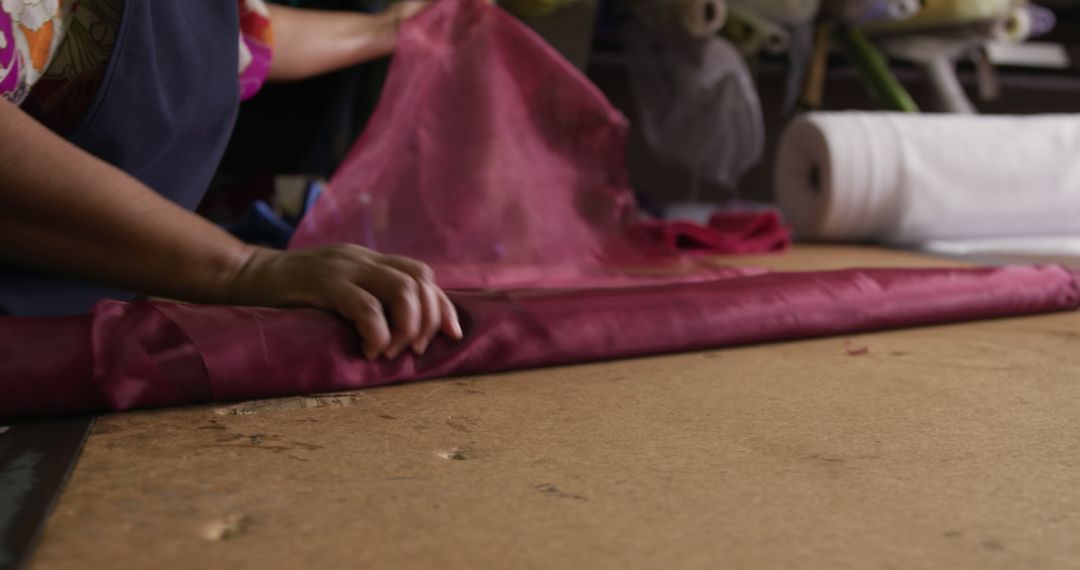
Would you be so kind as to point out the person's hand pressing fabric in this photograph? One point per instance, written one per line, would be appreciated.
(358, 283)
(66, 213)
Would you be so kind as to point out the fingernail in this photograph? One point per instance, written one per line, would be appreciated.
(419, 347)
(371, 354)
(393, 353)
(457, 331)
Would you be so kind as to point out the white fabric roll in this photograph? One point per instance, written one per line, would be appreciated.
(772, 37)
(865, 11)
(1016, 26)
(906, 179)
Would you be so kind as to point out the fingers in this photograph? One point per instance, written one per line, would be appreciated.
(366, 312)
(393, 301)
(415, 269)
(430, 317)
(431, 308)
(450, 324)
(401, 295)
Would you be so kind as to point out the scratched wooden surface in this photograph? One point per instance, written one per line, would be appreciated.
(946, 447)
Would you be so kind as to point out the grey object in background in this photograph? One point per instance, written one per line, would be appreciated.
(697, 104)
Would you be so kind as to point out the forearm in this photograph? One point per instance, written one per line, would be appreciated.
(65, 212)
(312, 42)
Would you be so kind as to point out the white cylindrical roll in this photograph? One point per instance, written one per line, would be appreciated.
(901, 9)
(866, 11)
(905, 179)
(1015, 26)
(772, 37)
(943, 13)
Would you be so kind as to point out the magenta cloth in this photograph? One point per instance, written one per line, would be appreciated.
(140, 355)
(726, 233)
(495, 161)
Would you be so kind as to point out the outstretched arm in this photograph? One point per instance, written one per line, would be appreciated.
(312, 42)
(65, 212)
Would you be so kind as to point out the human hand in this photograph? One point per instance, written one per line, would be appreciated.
(393, 301)
(398, 12)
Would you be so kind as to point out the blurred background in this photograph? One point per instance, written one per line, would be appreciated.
(708, 85)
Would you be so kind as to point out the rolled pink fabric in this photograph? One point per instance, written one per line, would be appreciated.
(157, 354)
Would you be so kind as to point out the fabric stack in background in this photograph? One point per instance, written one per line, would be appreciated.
(917, 171)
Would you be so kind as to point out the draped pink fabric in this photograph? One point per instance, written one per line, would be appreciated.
(141, 355)
(493, 160)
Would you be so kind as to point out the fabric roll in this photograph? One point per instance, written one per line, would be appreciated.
(512, 174)
(867, 11)
(758, 33)
(902, 179)
(939, 13)
(1024, 22)
(1043, 20)
(1016, 25)
(143, 355)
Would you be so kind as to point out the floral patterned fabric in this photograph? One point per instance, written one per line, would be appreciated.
(53, 53)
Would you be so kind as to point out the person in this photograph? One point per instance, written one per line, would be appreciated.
(114, 116)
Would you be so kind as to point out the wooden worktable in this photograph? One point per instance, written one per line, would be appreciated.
(947, 447)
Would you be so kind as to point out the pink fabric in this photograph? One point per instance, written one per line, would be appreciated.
(496, 162)
(726, 233)
(157, 354)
